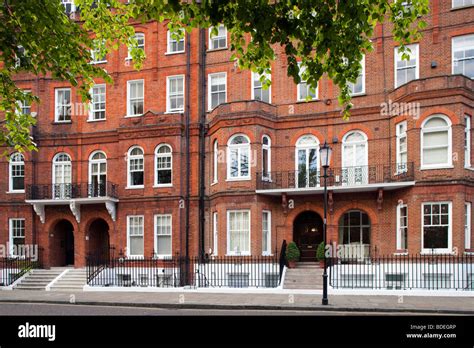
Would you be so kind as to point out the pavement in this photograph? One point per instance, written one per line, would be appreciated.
(249, 301)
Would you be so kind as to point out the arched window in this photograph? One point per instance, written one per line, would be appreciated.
(163, 165)
(97, 174)
(238, 157)
(354, 234)
(17, 173)
(354, 159)
(62, 176)
(307, 163)
(266, 157)
(436, 142)
(215, 161)
(136, 167)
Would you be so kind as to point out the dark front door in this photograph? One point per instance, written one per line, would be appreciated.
(308, 234)
(69, 248)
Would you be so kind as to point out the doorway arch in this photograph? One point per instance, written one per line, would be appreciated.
(99, 240)
(308, 234)
(62, 248)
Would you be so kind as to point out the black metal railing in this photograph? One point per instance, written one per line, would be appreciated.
(176, 271)
(71, 191)
(430, 272)
(338, 176)
(282, 259)
(12, 268)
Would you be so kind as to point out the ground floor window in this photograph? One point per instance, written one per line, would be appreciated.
(17, 235)
(238, 232)
(135, 226)
(354, 233)
(437, 227)
(266, 233)
(467, 225)
(402, 227)
(163, 235)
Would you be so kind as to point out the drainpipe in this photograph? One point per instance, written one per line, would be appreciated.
(187, 149)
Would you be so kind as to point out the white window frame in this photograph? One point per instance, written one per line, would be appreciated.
(307, 148)
(92, 109)
(268, 148)
(11, 164)
(463, 4)
(239, 148)
(170, 235)
(467, 225)
(303, 84)
(209, 92)
(94, 56)
(241, 253)
(64, 165)
(217, 37)
(267, 252)
(170, 40)
(24, 107)
(215, 164)
(215, 233)
(169, 95)
(129, 169)
(401, 167)
(398, 57)
(362, 74)
(464, 48)
(255, 76)
(447, 250)
(129, 49)
(11, 238)
(399, 226)
(168, 154)
(449, 163)
(467, 141)
(56, 104)
(71, 2)
(129, 106)
(129, 217)
(349, 178)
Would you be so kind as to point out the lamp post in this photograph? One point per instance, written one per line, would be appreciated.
(325, 155)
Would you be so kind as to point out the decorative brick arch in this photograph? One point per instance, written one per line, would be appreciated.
(245, 132)
(59, 217)
(356, 206)
(301, 208)
(298, 134)
(356, 127)
(437, 111)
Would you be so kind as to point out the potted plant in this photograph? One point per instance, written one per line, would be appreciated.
(292, 254)
(320, 254)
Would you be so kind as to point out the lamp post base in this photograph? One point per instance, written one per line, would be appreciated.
(325, 301)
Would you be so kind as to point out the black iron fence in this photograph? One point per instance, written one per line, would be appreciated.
(12, 268)
(431, 272)
(176, 271)
(338, 176)
(71, 191)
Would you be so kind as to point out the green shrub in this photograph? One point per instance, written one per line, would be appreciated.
(292, 252)
(320, 252)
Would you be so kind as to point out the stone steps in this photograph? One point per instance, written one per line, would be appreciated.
(306, 275)
(73, 280)
(38, 279)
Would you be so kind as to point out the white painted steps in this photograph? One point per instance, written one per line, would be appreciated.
(306, 275)
(38, 279)
(72, 280)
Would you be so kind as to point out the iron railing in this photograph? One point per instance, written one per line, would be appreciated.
(430, 272)
(282, 259)
(337, 176)
(177, 271)
(71, 191)
(13, 268)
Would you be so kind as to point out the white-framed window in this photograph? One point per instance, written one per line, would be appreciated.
(25, 105)
(358, 87)
(96, 58)
(266, 232)
(266, 157)
(217, 89)
(175, 45)
(62, 176)
(406, 70)
(218, 41)
(135, 232)
(463, 55)
(303, 88)
(163, 165)
(462, 3)
(215, 233)
(62, 105)
(355, 159)
(163, 235)
(215, 160)
(69, 6)
(140, 37)
(436, 142)
(175, 93)
(307, 161)
(402, 147)
(98, 174)
(437, 227)
(238, 232)
(97, 105)
(17, 173)
(467, 225)
(136, 167)
(402, 227)
(258, 91)
(135, 97)
(467, 141)
(238, 157)
(16, 235)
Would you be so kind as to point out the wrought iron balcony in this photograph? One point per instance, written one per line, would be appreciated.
(70, 191)
(360, 178)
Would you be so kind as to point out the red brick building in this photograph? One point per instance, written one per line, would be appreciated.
(191, 155)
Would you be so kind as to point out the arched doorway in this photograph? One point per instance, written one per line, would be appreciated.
(308, 234)
(99, 242)
(62, 248)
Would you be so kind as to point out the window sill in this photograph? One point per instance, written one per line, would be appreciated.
(131, 257)
(447, 166)
(214, 183)
(135, 187)
(401, 253)
(238, 179)
(469, 168)
(174, 112)
(62, 122)
(461, 7)
(173, 53)
(302, 101)
(162, 257)
(15, 192)
(218, 49)
(437, 252)
(100, 62)
(133, 116)
(267, 254)
(93, 121)
(242, 254)
(361, 94)
(162, 185)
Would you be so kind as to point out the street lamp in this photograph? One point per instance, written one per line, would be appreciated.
(325, 155)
